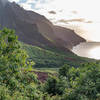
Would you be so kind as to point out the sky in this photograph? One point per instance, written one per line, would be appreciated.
(81, 15)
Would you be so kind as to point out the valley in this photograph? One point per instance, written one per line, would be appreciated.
(43, 61)
(53, 57)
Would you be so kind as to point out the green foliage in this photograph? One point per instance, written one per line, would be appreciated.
(11, 54)
(52, 58)
(86, 83)
(16, 83)
(55, 86)
(64, 70)
(19, 82)
(70, 74)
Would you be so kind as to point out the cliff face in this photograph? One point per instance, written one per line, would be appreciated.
(35, 29)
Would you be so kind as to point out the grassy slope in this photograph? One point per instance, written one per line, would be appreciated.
(52, 58)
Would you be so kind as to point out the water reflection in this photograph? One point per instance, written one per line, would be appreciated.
(89, 49)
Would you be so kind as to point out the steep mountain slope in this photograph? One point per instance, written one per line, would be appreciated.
(69, 37)
(35, 29)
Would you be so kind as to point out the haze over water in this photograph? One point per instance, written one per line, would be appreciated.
(88, 49)
(91, 32)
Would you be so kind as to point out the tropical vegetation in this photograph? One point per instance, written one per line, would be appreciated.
(18, 80)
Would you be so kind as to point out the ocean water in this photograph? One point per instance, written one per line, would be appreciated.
(88, 49)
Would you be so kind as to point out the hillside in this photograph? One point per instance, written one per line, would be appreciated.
(53, 58)
(33, 28)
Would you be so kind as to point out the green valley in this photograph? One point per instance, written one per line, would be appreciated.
(52, 57)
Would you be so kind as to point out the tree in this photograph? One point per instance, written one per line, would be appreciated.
(55, 86)
(64, 70)
(15, 83)
(87, 84)
(11, 55)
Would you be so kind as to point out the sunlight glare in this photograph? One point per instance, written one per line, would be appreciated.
(95, 52)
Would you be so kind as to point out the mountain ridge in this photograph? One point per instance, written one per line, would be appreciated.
(35, 29)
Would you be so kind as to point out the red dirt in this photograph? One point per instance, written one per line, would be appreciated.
(42, 76)
(71, 59)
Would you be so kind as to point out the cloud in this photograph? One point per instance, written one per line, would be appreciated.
(89, 22)
(79, 20)
(72, 20)
(74, 12)
(52, 12)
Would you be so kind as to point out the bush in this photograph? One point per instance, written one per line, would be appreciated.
(55, 86)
